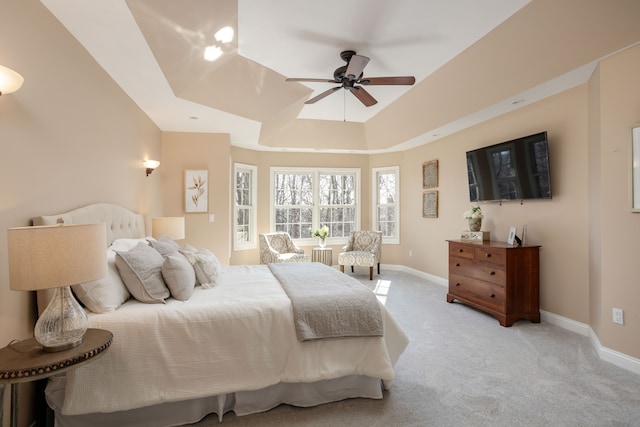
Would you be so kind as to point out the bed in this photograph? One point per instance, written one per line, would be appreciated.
(241, 343)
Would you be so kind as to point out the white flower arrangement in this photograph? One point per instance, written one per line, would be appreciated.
(475, 212)
(321, 233)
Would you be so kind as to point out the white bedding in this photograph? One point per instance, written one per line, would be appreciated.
(245, 339)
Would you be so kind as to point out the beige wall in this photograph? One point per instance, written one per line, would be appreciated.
(558, 225)
(68, 137)
(182, 151)
(618, 230)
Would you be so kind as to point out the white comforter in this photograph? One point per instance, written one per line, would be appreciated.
(238, 335)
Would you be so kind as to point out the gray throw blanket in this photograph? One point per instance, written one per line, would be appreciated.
(327, 303)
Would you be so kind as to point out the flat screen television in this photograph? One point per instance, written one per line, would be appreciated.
(512, 170)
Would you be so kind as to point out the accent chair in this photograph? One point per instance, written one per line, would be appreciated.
(363, 249)
(279, 248)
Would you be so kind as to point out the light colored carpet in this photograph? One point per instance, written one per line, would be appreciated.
(463, 369)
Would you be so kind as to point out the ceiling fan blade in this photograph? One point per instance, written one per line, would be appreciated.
(297, 79)
(323, 95)
(356, 66)
(400, 80)
(364, 96)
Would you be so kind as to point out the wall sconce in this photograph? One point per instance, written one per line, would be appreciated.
(10, 81)
(57, 256)
(150, 165)
(170, 226)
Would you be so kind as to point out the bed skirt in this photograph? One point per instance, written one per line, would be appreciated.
(241, 403)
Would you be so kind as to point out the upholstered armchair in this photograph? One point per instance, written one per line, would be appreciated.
(278, 247)
(363, 249)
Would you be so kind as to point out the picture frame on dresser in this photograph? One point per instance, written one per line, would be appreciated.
(512, 236)
(196, 190)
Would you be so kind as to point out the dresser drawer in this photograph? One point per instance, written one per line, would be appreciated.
(460, 250)
(486, 294)
(493, 273)
(488, 254)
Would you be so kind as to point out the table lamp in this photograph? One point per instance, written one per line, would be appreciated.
(57, 256)
(170, 226)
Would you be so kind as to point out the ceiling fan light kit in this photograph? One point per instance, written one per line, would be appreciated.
(350, 75)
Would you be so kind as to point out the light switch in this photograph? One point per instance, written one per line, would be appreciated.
(212, 217)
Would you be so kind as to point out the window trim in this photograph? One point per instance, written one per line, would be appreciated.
(253, 224)
(316, 195)
(375, 192)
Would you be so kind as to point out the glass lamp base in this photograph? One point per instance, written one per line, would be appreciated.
(63, 323)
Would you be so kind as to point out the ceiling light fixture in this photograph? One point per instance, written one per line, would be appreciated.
(225, 35)
(211, 53)
(10, 81)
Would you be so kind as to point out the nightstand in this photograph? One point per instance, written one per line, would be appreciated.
(24, 361)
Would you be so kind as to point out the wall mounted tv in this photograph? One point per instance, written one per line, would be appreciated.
(512, 170)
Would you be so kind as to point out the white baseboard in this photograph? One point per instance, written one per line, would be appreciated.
(608, 355)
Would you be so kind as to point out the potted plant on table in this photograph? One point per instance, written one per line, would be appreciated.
(474, 217)
(322, 234)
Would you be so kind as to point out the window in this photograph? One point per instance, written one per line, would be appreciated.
(386, 203)
(305, 200)
(244, 214)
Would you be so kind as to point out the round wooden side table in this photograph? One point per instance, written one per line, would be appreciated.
(24, 361)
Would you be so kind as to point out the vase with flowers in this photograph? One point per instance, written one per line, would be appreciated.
(322, 234)
(474, 217)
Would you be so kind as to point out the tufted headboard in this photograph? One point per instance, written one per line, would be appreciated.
(121, 222)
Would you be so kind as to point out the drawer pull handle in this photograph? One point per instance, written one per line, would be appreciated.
(488, 255)
(457, 264)
(460, 250)
(492, 295)
(493, 273)
(457, 284)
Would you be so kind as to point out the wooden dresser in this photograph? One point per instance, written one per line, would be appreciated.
(497, 278)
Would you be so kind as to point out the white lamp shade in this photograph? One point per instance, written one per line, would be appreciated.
(53, 256)
(170, 226)
(10, 81)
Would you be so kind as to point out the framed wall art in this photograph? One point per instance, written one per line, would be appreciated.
(430, 174)
(430, 204)
(196, 191)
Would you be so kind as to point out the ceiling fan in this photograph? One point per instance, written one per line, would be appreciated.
(350, 75)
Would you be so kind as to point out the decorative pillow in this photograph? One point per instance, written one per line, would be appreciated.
(179, 275)
(106, 294)
(141, 271)
(167, 239)
(164, 247)
(206, 265)
(121, 245)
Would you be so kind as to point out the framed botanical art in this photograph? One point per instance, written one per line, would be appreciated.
(430, 204)
(430, 174)
(196, 191)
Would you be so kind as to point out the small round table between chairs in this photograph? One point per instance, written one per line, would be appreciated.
(323, 255)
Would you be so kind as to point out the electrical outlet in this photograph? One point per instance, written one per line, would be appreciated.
(618, 316)
(212, 217)
(410, 252)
